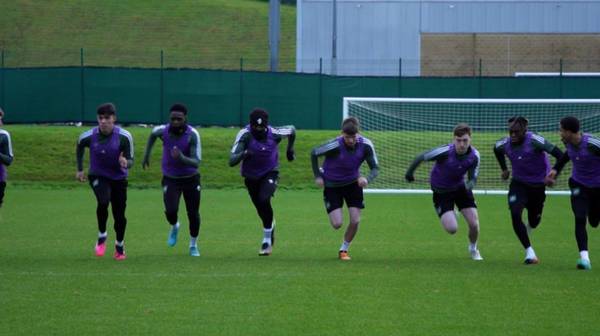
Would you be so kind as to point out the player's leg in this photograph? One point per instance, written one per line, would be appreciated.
(261, 192)
(191, 196)
(334, 201)
(171, 195)
(594, 208)
(444, 207)
(517, 199)
(118, 200)
(536, 196)
(467, 206)
(353, 195)
(101, 190)
(2, 188)
(580, 204)
(449, 222)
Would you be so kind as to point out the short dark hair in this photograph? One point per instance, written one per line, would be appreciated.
(519, 120)
(350, 125)
(179, 108)
(462, 129)
(259, 116)
(107, 109)
(570, 123)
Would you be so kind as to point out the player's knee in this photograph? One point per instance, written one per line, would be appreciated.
(450, 227)
(580, 220)
(516, 212)
(102, 206)
(171, 216)
(194, 217)
(336, 224)
(264, 199)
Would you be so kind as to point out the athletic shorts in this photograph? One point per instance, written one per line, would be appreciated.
(444, 202)
(585, 201)
(262, 189)
(334, 197)
(523, 196)
(107, 190)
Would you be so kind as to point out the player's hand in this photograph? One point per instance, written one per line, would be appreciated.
(80, 176)
(122, 160)
(409, 177)
(175, 152)
(362, 182)
(290, 155)
(470, 184)
(505, 174)
(550, 179)
(145, 164)
(319, 182)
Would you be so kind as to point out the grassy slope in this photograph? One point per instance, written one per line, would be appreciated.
(46, 155)
(407, 276)
(193, 33)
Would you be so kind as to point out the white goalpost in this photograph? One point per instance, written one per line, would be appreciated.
(402, 128)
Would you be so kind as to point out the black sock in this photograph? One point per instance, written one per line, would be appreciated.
(119, 248)
(101, 240)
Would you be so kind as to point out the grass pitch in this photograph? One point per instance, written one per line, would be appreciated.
(407, 275)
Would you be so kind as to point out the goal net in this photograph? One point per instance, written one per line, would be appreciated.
(402, 128)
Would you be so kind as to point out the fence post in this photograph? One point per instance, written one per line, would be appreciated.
(241, 91)
(82, 84)
(162, 88)
(400, 77)
(479, 80)
(560, 79)
(320, 93)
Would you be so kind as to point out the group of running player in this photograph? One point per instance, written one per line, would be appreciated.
(452, 178)
(531, 173)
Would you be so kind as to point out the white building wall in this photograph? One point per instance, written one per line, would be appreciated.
(378, 37)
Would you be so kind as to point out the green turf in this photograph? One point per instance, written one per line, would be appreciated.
(407, 276)
(192, 33)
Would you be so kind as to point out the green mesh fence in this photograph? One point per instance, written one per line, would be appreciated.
(224, 98)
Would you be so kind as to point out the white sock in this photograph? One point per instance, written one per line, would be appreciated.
(193, 241)
(267, 235)
(175, 227)
(529, 253)
(473, 246)
(345, 246)
(584, 255)
(119, 243)
(102, 234)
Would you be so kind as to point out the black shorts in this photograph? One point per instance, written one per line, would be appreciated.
(2, 187)
(585, 201)
(173, 188)
(334, 197)
(523, 196)
(444, 202)
(107, 190)
(261, 190)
